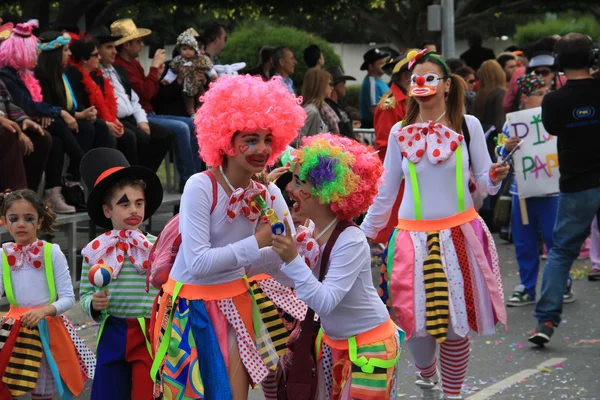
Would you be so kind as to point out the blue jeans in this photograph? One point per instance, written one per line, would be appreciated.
(541, 212)
(187, 151)
(576, 211)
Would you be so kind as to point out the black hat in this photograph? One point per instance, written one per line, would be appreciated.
(103, 35)
(338, 75)
(391, 65)
(63, 27)
(101, 168)
(371, 56)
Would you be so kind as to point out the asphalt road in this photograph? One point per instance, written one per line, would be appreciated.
(506, 366)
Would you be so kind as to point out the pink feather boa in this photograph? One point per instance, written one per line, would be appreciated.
(33, 85)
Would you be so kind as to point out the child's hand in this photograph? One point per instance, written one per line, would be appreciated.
(32, 317)
(100, 300)
(284, 245)
(263, 236)
(277, 172)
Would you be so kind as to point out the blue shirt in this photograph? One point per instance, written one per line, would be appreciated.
(371, 90)
(288, 82)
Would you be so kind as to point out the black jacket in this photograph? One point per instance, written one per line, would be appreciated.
(22, 97)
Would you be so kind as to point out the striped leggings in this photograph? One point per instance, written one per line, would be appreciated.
(454, 359)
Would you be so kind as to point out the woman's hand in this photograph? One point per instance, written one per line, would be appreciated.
(46, 122)
(30, 124)
(263, 236)
(511, 143)
(70, 121)
(26, 143)
(89, 113)
(277, 172)
(498, 172)
(284, 245)
(116, 129)
(32, 317)
(10, 125)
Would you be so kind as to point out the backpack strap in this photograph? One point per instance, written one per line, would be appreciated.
(215, 192)
(309, 320)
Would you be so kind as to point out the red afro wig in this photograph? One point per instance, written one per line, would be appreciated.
(245, 103)
(365, 164)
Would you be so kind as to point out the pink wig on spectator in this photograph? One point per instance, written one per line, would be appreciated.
(246, 103)
(19, 52)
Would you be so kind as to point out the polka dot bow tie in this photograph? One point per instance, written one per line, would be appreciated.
(113, 247)
(433, 139)
(308, 248)
(17, 255)
(242, 201)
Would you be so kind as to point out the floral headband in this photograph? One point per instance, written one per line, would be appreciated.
(530, 82)
(62, 40)
(413, 57)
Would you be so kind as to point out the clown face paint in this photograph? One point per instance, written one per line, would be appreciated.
(22, 222)
(127, 208)
(424, 85)
(252, 150)
(300, 193)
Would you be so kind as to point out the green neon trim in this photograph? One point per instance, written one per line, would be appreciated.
(49, 271)
(256, 320)
(164, 345)
(414, 184)
(390, 266)
(318, 343)
(100, 330)
(368, 365)
(459, 180)
(142, 322)
(7, 282)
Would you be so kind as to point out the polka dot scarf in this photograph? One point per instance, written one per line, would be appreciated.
(433, 139)
(31, 254)
(113, 247)
(308, 248)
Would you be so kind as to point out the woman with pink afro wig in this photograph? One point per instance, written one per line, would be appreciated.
(246, 103)
(336, 179)
(243, 126)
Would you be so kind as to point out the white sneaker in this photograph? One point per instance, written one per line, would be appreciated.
(57, 201)
(430, 387)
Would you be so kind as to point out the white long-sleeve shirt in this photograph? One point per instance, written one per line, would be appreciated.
(30, 286)
(436, 182)
(346, 300)
(125, 107)
(213, 250)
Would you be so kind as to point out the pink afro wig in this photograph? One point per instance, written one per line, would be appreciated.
(364, 164)
(19, 51)
(246, 103)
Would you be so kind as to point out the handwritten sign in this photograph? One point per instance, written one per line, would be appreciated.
(536, 162)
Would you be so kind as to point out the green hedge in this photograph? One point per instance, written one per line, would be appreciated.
(246, 41)
(561, 26)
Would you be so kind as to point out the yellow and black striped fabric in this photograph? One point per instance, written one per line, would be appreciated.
(276, 331)
(23, 367)
(436, 290)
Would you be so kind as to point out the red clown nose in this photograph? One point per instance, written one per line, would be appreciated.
(420, 80)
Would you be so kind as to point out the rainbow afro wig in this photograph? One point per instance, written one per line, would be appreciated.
(343, 172)
(245, 103)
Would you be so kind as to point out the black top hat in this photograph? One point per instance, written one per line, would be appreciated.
(101, 168)
(103, 35)
(63, 27)
(338, 75)
(371, 56)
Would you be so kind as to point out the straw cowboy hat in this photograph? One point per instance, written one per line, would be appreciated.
(127, 29)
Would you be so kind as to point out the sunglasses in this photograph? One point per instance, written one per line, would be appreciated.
(94, 55)
(471, 81)
(542, 72)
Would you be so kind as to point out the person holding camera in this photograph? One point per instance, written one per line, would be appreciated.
(572, 114)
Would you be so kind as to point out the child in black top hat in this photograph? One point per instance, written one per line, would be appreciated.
(121, 197)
